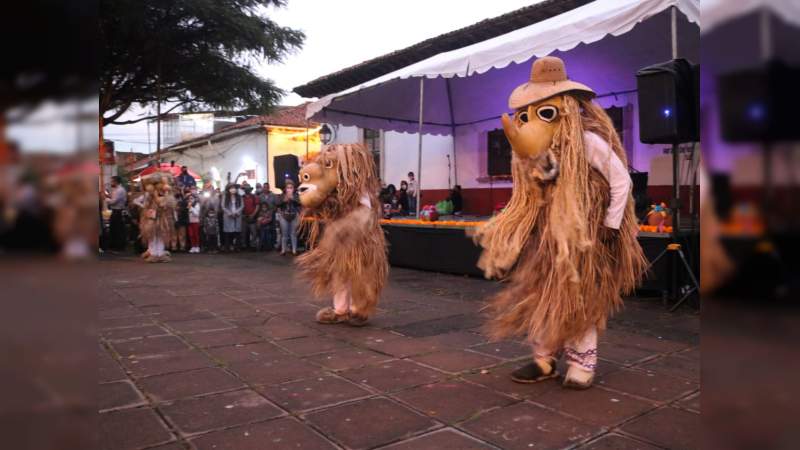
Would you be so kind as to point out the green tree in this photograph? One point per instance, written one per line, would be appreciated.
(192, 54)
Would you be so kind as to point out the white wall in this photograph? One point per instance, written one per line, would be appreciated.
(400, 157)
(235, 155)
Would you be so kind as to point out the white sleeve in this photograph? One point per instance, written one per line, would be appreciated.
(602, 158)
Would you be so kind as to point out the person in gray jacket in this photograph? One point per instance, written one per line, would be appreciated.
(232, 206)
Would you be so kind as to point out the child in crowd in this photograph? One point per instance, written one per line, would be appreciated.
(210, 229)
(194, 224)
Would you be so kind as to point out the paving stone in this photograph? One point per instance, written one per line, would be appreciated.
(278, 434)
(691, 354)
(175, 313)
(499, 379)
(369, 423)
(192, 326)
(691, 402)
(188, 384)
(624, 354)
(654, 344)
(121, 334)
(527, 426)
(594, 405)
(149, 346)
(617, 442)
(311, 345)
(124, 322)
(504, 349)
(403, 347)
(313, 393)
(246, 352)
(676, 367)
(108, 369)
(116, 429)
(393, 375)
(118, 312)
(647, 384)
(147, 365)
(348, 358)
(275, 370)
(455, 361)
(361, 337)
(209, 339)
(119, 394)
(452, 322)
(452, 401)
(446, 439)
(293, 310)
(668, 427)
(225, 410)
(279, 328)
(460, 339)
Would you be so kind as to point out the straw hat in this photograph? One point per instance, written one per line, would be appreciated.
(548, 78)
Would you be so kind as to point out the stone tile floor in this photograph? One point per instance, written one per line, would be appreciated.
(221, 352)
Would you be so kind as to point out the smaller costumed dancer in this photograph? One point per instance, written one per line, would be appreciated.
(342, 216)
(157, 220)
(567, 239)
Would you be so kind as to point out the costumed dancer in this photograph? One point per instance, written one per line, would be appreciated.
(342, 215)
(566, 242)
(157, 220)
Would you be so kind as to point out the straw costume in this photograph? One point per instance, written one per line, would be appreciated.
(157, 220)
(566, 242)
(342, 215)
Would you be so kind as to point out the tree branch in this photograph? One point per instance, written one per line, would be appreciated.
(113, 118)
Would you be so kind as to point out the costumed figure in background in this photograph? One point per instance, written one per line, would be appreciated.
(157, 219)
(566, 241)
(342, 214)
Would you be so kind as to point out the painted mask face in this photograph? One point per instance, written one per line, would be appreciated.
(531, 130)
(318, 180)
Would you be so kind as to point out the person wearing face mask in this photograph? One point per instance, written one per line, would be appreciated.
(232, 206)
(289, 217)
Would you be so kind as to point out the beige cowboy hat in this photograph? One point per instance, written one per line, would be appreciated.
(548, 78)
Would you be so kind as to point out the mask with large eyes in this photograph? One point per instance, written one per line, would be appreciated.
(531, 130)
(318, 180)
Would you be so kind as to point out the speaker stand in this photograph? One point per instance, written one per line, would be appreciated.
(675, 296)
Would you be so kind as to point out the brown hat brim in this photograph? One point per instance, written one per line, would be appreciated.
(533, 92)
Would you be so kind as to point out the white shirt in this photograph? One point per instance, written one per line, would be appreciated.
(602, 158)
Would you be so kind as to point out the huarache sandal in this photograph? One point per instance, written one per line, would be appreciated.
(538, 370)
(328, 315)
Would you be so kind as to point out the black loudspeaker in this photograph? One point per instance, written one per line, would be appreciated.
(759, 105)
(499, 161)
(669, 102)
(641, 200)
(285, 166)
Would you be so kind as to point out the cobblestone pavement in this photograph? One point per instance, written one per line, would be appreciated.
(222, 352)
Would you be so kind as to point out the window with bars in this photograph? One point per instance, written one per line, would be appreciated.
(372, 141)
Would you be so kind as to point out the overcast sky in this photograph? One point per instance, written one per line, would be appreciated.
(341, 33)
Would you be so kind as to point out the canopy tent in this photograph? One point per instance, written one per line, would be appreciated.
(600, 43)
(465, 91)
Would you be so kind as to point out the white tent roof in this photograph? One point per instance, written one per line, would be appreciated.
(583, 25)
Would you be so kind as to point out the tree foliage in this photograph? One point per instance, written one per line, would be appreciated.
(191, 53)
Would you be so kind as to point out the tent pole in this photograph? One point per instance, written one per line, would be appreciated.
(419, 147)
(452, 130)
(674, 31)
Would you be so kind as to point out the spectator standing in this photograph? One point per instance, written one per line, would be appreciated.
(211, 230)
(185, 180)
(194, 224)
(181, 220)
(402, 197)
(412, 193)
(455, 198)
(250, 217)
(117, 202)
(289, 217)
(266, 219)
(232, 207)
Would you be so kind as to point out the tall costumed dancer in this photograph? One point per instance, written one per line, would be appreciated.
(566, 242)
(342, 216)
(157, 220)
